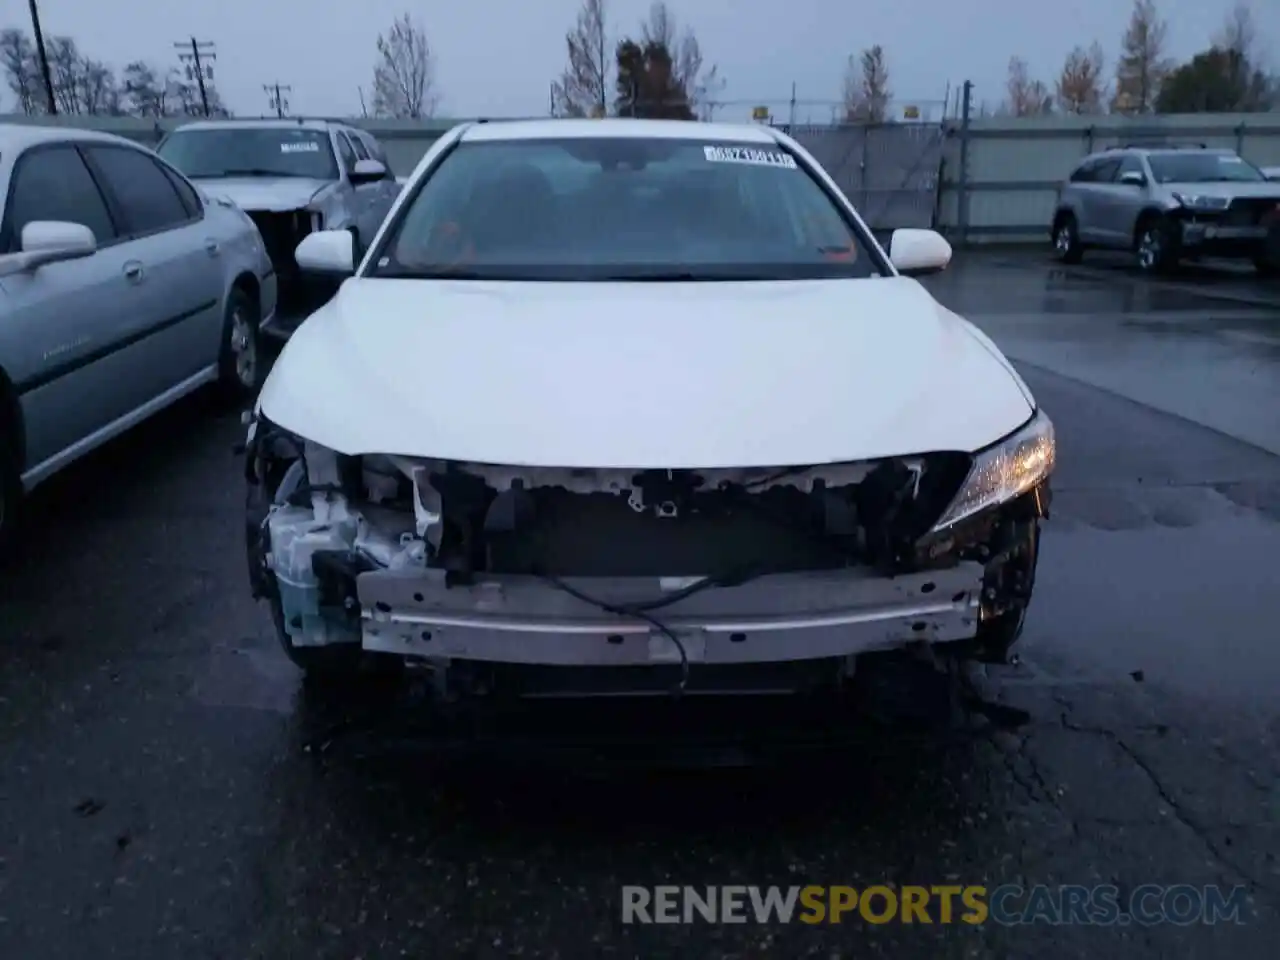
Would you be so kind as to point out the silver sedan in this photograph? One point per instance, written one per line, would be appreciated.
(122, 288)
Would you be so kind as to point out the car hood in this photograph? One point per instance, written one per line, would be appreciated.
(661, 375)
(1240, 188)
(264, 194)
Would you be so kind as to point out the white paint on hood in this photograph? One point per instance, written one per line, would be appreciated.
(665, 375)
(265, 194)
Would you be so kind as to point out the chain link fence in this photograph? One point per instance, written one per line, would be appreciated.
(890, 171)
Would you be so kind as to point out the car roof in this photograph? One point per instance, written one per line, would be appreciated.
(1172, 148)
(1113, 153)
(557, 128)
(19, 136)
(268, 123)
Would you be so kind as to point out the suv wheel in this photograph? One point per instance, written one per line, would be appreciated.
(1155, 247)
(1066, 240)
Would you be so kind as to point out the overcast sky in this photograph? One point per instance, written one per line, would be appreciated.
(498, 57)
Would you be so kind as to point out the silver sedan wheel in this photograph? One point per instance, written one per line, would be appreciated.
(244, 348)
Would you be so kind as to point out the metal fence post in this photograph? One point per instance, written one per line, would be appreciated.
(867, 130)
(962, 197)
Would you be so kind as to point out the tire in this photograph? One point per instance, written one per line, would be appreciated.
(1066, 240)
(997, 637)
(241, 370)
(1155, 247)
(10, 501)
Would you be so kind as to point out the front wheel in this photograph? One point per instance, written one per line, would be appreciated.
(1066, 240)
(241, 371)
(1156, 247)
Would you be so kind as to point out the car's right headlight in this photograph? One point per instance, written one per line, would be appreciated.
(1196, 202)
(1004, 470)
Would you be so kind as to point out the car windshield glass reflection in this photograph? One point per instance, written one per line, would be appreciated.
(251, 152)
(1202, 168)
(623, 208)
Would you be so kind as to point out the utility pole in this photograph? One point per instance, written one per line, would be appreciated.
(276, 98)
(44, 58)
(363, 112)
(194, 53)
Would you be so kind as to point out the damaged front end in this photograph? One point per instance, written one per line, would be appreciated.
(533, 581)
(282, 231)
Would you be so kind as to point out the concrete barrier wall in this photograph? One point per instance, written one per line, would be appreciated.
(998, 177)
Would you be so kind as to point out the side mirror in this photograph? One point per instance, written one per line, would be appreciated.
(916, 252)
(367, 171)
(49, 241)
(1133, 179)
(329, 252)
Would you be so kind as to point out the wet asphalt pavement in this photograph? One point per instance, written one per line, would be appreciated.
(164, 791)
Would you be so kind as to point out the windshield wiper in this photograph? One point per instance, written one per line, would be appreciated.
(670, 276)
(401, 273)
(260, 172)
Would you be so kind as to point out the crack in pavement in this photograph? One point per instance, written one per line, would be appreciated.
(1199, 830)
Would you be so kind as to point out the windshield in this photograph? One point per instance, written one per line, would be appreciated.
(251, 152)
(622, 209)
(1202, 168)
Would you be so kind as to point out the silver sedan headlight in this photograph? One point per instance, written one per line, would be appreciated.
(1004, 471)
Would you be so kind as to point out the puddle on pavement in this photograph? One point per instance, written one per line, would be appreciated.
(1000, 285)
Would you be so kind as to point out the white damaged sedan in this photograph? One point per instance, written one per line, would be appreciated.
(628, 406)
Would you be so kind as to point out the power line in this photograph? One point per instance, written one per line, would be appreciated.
(276, 98)
(194, 54)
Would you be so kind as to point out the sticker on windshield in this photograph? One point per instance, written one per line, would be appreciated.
(300, 146)
(760, 158)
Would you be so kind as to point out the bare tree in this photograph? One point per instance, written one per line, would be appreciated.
(66, 67)
(404, 74)
(866, 87)
(145, 95)
(184, 99)
(1142, 66)
(1026, 97)
(100, 93)
(583, 87)
(687, 67)
(1239, 33)
(1080, 85)
(22, 71)
(1239, 36)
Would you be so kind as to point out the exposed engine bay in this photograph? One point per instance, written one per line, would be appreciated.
(281, 232)
(542, 581)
